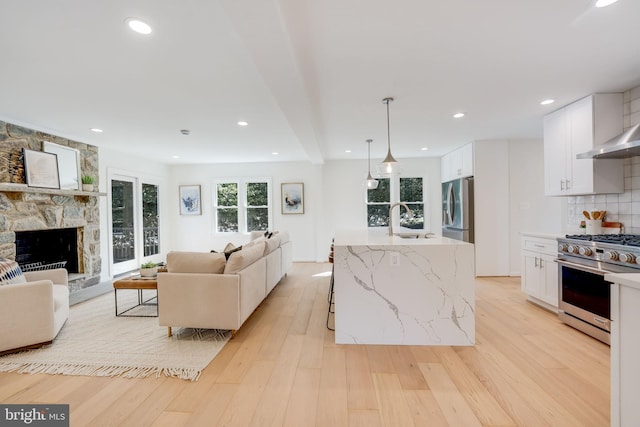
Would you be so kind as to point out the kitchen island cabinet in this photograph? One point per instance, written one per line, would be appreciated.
(625, 348)
(403, 291)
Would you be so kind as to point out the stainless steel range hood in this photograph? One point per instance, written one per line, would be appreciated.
(627, 144)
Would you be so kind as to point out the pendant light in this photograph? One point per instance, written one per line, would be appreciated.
(372, 184)
(390, 164)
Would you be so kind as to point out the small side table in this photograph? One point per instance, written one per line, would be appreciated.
(140, 284)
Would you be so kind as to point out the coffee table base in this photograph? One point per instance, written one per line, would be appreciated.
(138, 285)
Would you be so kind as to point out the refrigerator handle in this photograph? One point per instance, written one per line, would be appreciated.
(450, 204)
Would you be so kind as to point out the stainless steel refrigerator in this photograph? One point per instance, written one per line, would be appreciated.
(457, 209)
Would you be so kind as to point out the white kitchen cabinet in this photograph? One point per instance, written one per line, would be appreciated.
(575, 129)
(539, 279)
(457, 164)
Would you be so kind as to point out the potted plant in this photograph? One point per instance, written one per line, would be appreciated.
(87, 182)
(148, 269)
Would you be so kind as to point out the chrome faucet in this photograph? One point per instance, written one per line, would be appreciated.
(409, 214)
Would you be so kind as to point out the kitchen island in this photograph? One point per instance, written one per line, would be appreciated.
(403, 291)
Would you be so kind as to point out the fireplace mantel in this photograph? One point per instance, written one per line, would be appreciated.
(13, 188)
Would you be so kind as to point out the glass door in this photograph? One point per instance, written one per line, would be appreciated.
(150, 217)
(123, 224)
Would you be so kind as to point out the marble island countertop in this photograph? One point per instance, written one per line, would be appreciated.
(376, 237)
(392, 290)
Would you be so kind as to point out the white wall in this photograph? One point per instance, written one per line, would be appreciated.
(196, 233)
(345, 194)
(491, 205)
(334, 199)
(135, 166)
(530, 210)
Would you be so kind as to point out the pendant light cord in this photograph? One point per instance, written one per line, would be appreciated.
(388, 126)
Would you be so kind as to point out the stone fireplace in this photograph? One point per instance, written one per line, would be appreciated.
(38, 213)
(52, 219)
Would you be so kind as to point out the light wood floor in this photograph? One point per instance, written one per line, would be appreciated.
(283, 368)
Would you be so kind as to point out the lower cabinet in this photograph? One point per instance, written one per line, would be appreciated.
(539, 271)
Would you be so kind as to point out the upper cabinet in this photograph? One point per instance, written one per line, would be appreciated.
(457, 164)
(575, 129)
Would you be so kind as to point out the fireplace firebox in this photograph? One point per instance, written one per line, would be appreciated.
(42, 249)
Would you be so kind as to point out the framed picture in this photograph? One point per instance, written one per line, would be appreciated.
(190, 201)
(68, 164)
(41, 169)
(292, 197)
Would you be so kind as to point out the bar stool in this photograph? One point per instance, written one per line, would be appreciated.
(331, 293)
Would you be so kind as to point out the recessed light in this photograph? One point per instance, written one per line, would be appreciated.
(424, 148)
(548, 101)
(347, 151)
(96, 130)
(176, 157)
(458, 115)
(605, 3)
(241, 123)
(138, 26)
(275, 153)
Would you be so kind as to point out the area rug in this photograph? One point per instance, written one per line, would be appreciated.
(94, 342)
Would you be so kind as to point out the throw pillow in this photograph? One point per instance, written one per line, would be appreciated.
(241, 259)
(228, 253)
(230, 246)
(195, 262)
(272, 244)
(10, 272)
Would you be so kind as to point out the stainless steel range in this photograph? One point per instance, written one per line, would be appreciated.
(584, 295)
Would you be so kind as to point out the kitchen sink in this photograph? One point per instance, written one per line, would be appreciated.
(413, 235)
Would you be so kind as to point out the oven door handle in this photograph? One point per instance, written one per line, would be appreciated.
(581, 267)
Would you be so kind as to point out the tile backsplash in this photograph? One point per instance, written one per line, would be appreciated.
(625, 207)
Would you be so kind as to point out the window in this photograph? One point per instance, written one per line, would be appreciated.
(378, 202)
(411, 193)
(242, 205)
(227, 207)
(407, 190)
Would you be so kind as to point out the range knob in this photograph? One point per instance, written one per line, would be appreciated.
(562, 247)
(572, 249)
(611, 255)
(585, 251)
(627, 258)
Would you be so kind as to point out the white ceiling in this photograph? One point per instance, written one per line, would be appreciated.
(308, 75)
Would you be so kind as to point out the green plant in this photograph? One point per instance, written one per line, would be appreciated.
(148, 265)
(87, 179)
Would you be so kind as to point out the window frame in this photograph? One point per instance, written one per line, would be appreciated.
(243, 204)
(424, 214)
(394, 197)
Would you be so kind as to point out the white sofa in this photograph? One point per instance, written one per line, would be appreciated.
(204, 290)
(32, 313)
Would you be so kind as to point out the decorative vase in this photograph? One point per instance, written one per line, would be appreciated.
(87, 187)
(149, 272)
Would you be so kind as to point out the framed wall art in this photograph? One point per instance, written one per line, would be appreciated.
(68, 164)
(292, 197)
(190, 200)
(41, 169)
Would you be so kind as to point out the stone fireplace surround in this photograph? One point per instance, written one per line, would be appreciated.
(24, 208)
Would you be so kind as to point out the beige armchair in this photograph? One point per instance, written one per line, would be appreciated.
(32, 313)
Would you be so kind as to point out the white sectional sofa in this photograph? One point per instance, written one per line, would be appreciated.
(205, 290)
(32, 313)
